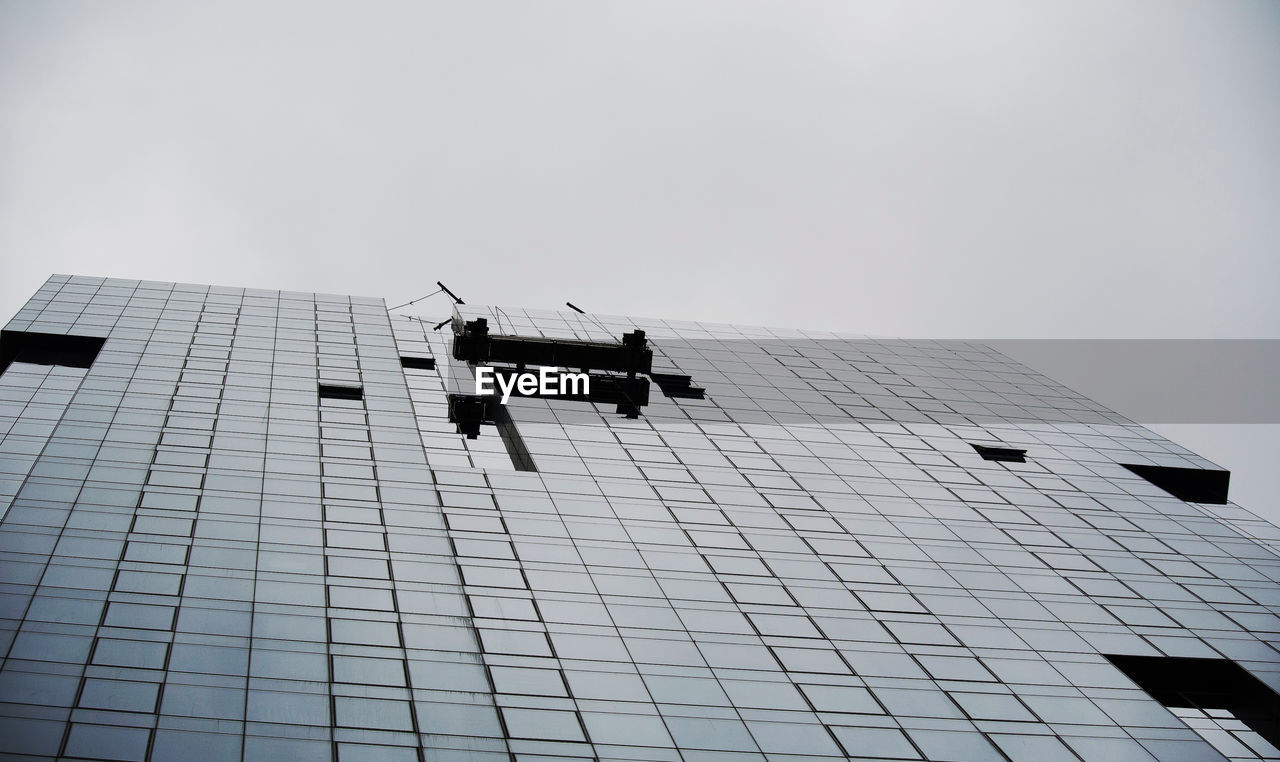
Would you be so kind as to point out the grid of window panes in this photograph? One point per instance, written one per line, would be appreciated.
(205, 558)
(208, 561)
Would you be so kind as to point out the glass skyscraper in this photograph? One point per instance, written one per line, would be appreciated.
(257, 525)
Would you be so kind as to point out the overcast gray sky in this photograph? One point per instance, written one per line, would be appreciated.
(941, 169)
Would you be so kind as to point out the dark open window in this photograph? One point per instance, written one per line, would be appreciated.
(417, 363)
(1207, 688)
(1001, 454)
(48, 349)
(1195, 485)
(677, 385)
(337, 392)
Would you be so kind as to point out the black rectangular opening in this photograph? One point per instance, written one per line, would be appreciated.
(417, 363)
(338, 392)
(1195, 485)
(678, 386)
(1000, 454)
(48, 349)
(1207, 684)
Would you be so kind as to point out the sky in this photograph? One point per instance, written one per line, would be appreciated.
(978, 169)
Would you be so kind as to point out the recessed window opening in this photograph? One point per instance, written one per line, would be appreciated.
(678, 386)
(48, 349)
(339, 392)
(1000, 454)
(417, 363)
(1211, 695)
(1195, 485)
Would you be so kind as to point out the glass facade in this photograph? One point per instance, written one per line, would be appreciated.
(207, 552)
